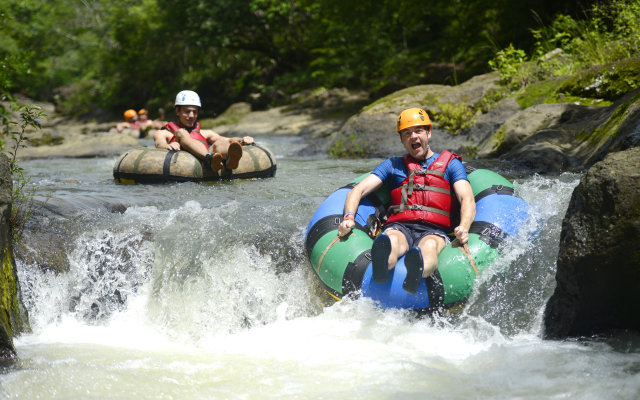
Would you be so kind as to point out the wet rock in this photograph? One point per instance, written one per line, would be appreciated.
(75, 145)
(598, 276)
(13, 318)
(521, 125)
(559, 137)
(46, 233)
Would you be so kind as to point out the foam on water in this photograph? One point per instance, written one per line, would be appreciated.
(199, 292)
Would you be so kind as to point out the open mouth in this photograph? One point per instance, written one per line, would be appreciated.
(416, 146)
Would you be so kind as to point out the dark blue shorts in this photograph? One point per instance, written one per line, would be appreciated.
(415, 231)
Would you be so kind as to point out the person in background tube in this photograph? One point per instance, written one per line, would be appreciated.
(214, 150)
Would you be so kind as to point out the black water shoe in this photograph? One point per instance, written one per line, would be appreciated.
(380, 251)
(415, 266)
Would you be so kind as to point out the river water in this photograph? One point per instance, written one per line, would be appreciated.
(204, 292)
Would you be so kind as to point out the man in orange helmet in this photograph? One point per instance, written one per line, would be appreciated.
(421, 185)
(185, 134)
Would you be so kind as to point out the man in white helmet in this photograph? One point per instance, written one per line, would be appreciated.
(215, 150)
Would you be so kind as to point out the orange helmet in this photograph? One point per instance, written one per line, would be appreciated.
(129, 114)
(143, 111)
(413, 117)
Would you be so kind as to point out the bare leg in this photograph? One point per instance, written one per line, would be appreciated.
(221, 145)
(430, 246)
(385, 252)
(399, 246)
(230, 150)
(193, 146)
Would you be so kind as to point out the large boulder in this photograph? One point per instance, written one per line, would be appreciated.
(559, 137)
(79, 145)
(598, 276)
(12, 315)
(373, 128)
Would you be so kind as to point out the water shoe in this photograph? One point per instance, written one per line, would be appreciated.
(214, 161)
(380, 251)
(234, 155)
(415, 266)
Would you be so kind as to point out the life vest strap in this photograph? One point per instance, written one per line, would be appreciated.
(430, 188)
(427, 172)
(416, 207)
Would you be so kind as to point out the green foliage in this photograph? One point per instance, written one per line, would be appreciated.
(611, 32)
(498, 137)
(510, 63)
(490, 99)
(469, 151)
(595, 86)
(609, 81)
(455, 117)
(13, 136)
(138, 53)
(352, 147)
(569, 46)
(43, 44)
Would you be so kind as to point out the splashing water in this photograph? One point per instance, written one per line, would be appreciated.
(201, 292)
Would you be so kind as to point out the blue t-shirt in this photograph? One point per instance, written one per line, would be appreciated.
(392, 171)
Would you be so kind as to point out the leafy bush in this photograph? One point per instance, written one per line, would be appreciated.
(455, 117)
(349, 148)
(567, 46)
(13, 135)
(509, 63)
(490, 99)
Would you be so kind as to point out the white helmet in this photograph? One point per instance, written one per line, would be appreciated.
(188, 98)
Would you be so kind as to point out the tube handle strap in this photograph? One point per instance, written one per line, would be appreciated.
(326, 250)
(465, 250)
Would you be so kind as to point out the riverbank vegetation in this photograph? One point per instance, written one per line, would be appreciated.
(571, 54)
(15, 120)
(97, 55)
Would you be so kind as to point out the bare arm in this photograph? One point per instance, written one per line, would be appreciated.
(362, 189)
(464, 193)
(243, 140)
(157, 124)
(161, 139)
(212, 136)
